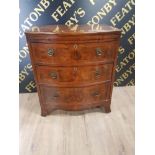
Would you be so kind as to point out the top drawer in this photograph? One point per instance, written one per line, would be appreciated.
(66, 54)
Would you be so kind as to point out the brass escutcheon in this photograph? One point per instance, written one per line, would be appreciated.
(50, 52)
(53, 75)
(75, 46)
(99, 52)
(96, 93)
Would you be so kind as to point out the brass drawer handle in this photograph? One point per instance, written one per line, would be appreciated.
(53, 75)
(99, 52)
(96, 93)
(50, 52)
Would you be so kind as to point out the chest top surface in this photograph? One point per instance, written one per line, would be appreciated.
(74, 30)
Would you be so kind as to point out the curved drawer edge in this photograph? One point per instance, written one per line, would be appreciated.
(79, 108)
(76, 64)
(72, 85)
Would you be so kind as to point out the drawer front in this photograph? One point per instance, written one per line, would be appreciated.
(51, 53)
(95, 52)
(79, 74)
(63, 54)
(74, 97)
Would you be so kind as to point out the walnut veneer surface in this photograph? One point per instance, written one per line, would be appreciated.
(74, 68)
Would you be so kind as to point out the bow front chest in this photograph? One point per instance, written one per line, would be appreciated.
(74, 67)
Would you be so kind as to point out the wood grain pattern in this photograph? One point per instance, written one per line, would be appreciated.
(76, 75)
(63, 53)
(72, 59)
(89, 132)
(75, 98)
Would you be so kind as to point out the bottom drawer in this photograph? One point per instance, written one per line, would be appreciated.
(74, 98)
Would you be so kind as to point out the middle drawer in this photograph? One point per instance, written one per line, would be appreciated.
(74, 74)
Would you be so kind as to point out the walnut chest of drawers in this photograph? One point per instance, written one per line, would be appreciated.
(74, 68)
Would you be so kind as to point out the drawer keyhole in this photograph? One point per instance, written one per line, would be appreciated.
(96, 93)
(99, 52)
(50, 52)
(53, 75)
(56, 95)
(75, 46)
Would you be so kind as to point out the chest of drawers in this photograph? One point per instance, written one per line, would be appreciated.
(74, 67)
